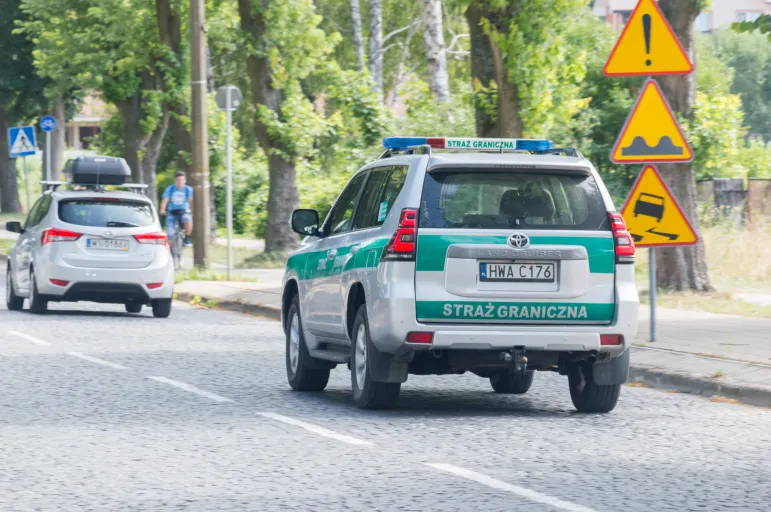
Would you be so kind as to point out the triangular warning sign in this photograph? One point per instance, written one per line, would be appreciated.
(647, 46)
(22, 144)
(651, 133)
(652, 215)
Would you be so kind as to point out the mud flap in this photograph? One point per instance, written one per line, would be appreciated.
(387, 368)
(615, 371)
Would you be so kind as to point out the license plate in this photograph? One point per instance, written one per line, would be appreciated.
(518, 272)
(105, 244)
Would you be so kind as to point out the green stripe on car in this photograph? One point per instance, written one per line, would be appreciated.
(432, 249)
(443, 310)
(316, 265)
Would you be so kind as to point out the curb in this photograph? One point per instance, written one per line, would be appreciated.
(700, 386)
(270, 312)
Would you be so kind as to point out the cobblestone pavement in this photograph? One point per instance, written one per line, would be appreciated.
(102, 410)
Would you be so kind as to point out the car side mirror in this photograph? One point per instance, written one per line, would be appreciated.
(14, 227)
(305, 222)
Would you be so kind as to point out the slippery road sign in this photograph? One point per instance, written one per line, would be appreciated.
(651, 133)
(647, 46)
(21, 141)
(652, 214)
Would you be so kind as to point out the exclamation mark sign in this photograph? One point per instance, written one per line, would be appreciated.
(646, 21)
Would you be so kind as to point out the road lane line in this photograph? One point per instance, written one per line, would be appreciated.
(310, 427)
(98, 361)
(192, 389)
(503, 486)
(29, 338)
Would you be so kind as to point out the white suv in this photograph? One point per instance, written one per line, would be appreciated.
(447, 262)
(89, 244)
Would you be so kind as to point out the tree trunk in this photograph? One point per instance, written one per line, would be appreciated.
(376, 44)
(401, 68)
(682, 268)
(433, 35)
(9, 190)
(150, 158)
(134, 138)
(489, 71)
(58, 141)
(283, 196)
(358, 38)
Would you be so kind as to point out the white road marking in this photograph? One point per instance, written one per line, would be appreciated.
(192, 389)
(315, 429)
(29, 338)
(503, 486)
(98, 361)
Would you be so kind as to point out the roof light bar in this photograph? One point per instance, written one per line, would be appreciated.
(401, 143)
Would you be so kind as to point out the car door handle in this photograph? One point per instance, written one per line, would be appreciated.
(331, 253)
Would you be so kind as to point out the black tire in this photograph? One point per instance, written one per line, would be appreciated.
(511, 382)
(161, 308)
(37, 305)
(134, 308)
(591, 397)
(368, 394)
(299, 371)
(12, 301)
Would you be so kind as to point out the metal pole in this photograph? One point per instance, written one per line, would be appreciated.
(48, 156)
(26, 184)
(200, 136)
(229, 184)
(652, 290)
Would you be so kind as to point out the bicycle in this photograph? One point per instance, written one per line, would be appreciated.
(177, 239)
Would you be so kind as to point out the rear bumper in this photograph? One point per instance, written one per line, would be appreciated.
(106, 285)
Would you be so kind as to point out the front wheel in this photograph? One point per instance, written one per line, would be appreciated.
(12, 301)
(299, 371)
(161, 308)
(588, 396)
(37, 305)
(512, 382)
(368, 394)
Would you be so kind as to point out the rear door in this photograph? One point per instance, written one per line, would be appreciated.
(108, 226)
(514, 246)
(29, 241)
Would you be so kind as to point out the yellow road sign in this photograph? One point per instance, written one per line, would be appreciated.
(652, 215)
(651, 133)
(647, 46)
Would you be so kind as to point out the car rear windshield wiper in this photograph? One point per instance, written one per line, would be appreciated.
(119, 224)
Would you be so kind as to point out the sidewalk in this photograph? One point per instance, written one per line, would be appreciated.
(699, 353)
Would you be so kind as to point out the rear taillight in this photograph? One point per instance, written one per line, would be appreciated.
(622, 240)
(420, 337)
(59, 282)
(152, 238)
(58, 235)
(401, 247)
(611, 339)
(153, 286)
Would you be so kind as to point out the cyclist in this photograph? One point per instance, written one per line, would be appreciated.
(176, 201)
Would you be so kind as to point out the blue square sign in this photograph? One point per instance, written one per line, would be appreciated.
(21, 141)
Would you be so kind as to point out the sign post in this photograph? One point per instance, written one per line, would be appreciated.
(21, 143)
(649, 47)
(229, 99)
(48, 124)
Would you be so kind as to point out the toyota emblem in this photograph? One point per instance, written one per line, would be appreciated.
(519, 241)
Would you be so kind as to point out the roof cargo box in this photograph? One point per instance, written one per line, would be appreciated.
(97, 170)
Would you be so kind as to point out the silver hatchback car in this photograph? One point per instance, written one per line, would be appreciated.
(499, 257)
(88, 244)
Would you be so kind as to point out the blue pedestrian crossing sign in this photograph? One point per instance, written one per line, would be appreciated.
(48, 123)
(21, 141)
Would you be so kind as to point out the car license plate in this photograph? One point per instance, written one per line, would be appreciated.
(106, 244)
(518, 272)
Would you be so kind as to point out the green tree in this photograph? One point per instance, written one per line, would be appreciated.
(22, 92)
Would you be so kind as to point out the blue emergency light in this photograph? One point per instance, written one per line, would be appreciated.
(470, 143)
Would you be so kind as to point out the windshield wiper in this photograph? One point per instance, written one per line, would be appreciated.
(119, 224)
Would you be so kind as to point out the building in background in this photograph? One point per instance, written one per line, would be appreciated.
(86, 124)
(720, 15)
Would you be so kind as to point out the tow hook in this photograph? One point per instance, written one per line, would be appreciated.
(516, 357)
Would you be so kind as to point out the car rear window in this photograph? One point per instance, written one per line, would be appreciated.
(106, 213)
(492, 199)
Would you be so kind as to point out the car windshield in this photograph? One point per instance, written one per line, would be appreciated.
(492, 199)
(106, 213)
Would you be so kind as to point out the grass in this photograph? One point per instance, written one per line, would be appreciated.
(266, 260)
(737, 261)
(5, 245)
(196, 274)
(8, 217)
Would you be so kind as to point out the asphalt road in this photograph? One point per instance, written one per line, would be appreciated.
(101, 410)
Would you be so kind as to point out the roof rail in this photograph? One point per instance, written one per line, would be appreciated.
(424, 149)
(560, 152)
(53, 185)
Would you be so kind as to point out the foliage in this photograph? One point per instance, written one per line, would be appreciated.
(762, 25)
(716, 135)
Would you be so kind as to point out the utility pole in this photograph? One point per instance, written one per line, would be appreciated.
(200, 133)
